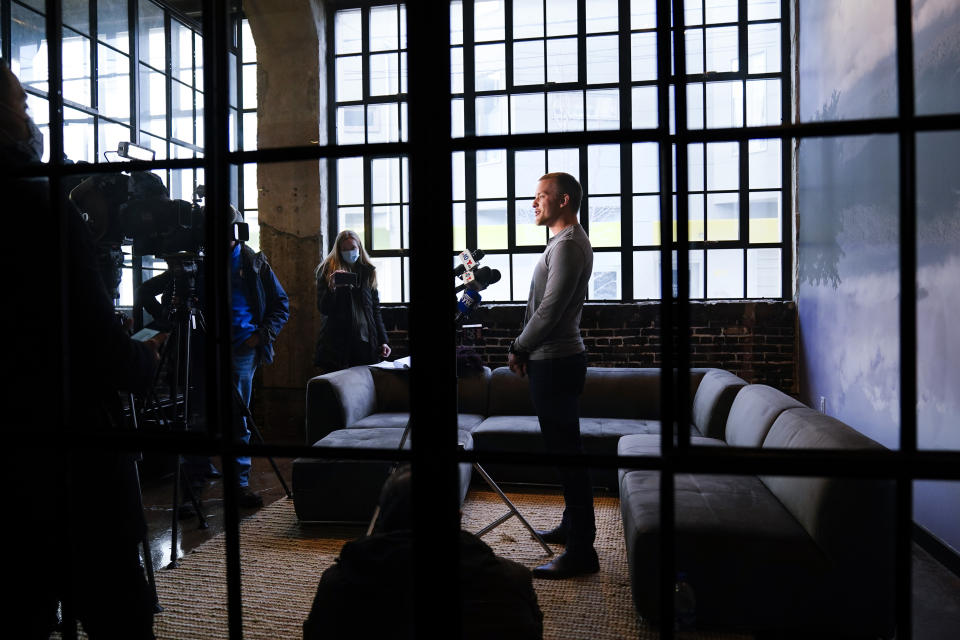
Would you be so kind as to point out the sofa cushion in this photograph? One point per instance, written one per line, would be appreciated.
(509, 394)
(714, 397)
(398, 420)
(621, 393)
(337, 399)
(753, 413)
(731, 535)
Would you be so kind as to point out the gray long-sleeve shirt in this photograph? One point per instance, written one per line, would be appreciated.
(551, 325)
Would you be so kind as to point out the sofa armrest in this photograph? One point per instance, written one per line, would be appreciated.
(337, 400)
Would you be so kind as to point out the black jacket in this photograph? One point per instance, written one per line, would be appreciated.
(269, 304)
(339, 339)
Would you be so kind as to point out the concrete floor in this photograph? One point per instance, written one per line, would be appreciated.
(936, 590)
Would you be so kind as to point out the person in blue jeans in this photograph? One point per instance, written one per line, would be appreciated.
(259, 308)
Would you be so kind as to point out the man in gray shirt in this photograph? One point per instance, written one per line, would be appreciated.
(551, 351)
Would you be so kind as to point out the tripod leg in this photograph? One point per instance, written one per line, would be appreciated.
(245, 411)
(175, 517)
(195, 501)
(514, 512)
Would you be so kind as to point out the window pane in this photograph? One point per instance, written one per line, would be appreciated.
(562, 18)
(152, 39)
(646, 220)
(643, 14)
(720, 11)
(459, 226)
(646, 167)
(383, 28)
(76, 68)
(385, 180)
(490, 68)
(722, 52)
(694, 167)
(78, 135)
(350, 218)
(528, 63)
(499, 291)
(249, 86)
(492, 173)
(763, 102)
(492, 115)
(765, 212)
(763, 48)
(456, 22)
(249, 131)
(386, 227)
(604, 216)
(695, 268)
(389, 282)
(182, 103)
(562, 60)
(459, 173)
(76, 14)
(693, 45)
(528, 233)
(763, 273)
(384, 74)
(181, 52)
(724, 104)
(603, 165)
(695, 213)
(643, 56)
(528, 18)
(725, 273)
(523, 264)
(692, 12)
(349, 78)
(526, 113)
(602, 59)
(566, 160)
(694, 107)
(765, 164)
(565, 111)
(723, 165)
(456, 118)
(492, 224)
(347, 31)
(113, 26)
(644, 108)
(763, 9)
(28, 47)
(109, 136)
(723, 216)
(349, 181)
(250, 192)
(198, 59)
(603, 109)
(247, 43)
(488, 20)
(383, 123)
(646, 275)
(528, 167)
(113, 84)
(605, 280)
(153, 102)
(601, 15)
(456, 70)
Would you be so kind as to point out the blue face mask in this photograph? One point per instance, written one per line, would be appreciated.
(350, 256)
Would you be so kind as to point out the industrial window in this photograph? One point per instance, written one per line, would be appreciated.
(536, 67)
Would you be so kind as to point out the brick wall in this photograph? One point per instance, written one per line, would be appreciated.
(755, 340)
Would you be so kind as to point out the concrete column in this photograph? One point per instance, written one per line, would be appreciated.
(292, 111)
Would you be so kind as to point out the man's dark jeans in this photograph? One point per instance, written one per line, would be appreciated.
(555, 386)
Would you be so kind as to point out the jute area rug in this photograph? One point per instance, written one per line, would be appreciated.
(282, 561)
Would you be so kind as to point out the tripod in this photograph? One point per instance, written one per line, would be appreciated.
(186, 319)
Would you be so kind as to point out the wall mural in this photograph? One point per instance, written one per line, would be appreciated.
(848, 255)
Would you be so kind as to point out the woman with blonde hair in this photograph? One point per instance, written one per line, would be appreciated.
(351, 330)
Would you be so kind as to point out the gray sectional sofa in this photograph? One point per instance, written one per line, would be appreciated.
(771, 552)
(369, 406)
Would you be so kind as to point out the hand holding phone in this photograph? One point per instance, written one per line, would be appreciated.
(344, 278)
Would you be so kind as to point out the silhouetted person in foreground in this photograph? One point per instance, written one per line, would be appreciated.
(74, 505)
(368, 591)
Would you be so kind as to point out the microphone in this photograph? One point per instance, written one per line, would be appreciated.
(468, 302)
(468, 260)
(480, 279)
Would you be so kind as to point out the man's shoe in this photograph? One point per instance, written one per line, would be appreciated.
(557, 535)
(567, 565)
(247, 499)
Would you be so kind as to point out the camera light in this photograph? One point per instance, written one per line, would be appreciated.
(133, 151)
